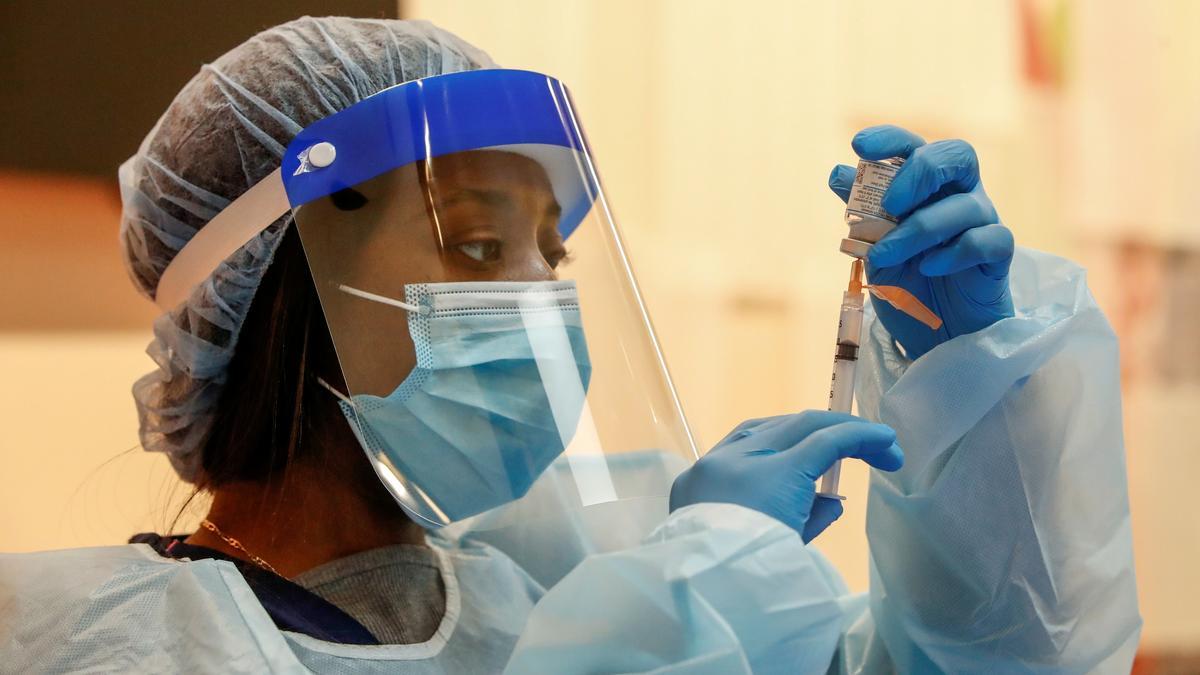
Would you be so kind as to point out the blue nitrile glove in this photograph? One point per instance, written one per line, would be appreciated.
(771, 465)
(949, 250)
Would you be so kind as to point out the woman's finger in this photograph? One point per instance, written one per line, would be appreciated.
(885, 141)
(824, 512)
(788, 430)
(841, 179)
(875, 444)
(930, 168)
(932, 225)
(989, 247)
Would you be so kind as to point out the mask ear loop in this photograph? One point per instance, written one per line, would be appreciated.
(346, 399)
(383, 299)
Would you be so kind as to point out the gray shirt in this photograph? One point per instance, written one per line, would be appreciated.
(396, 592)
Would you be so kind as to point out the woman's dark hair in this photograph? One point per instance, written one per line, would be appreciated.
(260, 421)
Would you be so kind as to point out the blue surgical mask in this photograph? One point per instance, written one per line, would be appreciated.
(496, 395)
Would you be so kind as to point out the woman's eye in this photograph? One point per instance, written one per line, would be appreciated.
(481, 251)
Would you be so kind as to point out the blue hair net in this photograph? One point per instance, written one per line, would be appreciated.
(226, 130)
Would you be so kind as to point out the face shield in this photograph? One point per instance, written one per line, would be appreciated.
(495, 354)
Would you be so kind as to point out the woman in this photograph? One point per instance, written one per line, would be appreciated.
(424, 276)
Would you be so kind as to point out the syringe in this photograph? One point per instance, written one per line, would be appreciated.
(841, 389)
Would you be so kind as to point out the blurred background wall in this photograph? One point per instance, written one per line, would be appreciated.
(80, 86)
(715, 124)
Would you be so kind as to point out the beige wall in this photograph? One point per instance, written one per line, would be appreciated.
(71, 470)
(72, 335)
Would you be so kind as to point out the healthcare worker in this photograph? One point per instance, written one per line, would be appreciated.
(403, 349)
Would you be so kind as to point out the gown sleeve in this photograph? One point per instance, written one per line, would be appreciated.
(1004, 544)
(717, 588)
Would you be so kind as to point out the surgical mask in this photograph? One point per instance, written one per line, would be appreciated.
(496, 395)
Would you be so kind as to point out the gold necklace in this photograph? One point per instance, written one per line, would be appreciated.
(212, 527)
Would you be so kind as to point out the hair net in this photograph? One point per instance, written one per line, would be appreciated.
(226, 130)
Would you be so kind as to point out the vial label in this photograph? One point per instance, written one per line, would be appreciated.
(865, 215)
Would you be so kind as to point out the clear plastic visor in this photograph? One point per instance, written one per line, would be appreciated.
(495, 370)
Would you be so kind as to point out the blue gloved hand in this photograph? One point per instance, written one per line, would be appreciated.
(949, 250)
(771, 465)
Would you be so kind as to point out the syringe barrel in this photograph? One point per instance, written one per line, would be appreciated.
(845, 357)
(850, 321)
(841, 386)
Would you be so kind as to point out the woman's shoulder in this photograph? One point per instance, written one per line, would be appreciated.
(70, 578)
(113, 605)
(64, 583)
(46, 598)
(71, 567)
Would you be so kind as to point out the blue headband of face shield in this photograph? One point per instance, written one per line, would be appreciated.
(515, 110)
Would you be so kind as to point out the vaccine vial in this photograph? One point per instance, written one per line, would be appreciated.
(865, 216)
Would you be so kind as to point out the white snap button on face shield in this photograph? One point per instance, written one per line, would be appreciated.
(315, 157)
(450, 175)
(322, 154)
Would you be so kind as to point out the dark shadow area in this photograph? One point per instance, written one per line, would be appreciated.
(82, 82)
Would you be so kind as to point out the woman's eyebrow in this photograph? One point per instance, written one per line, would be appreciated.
(496, 198)
(486, 197)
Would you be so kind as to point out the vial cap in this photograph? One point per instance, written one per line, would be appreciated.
(855, 248)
